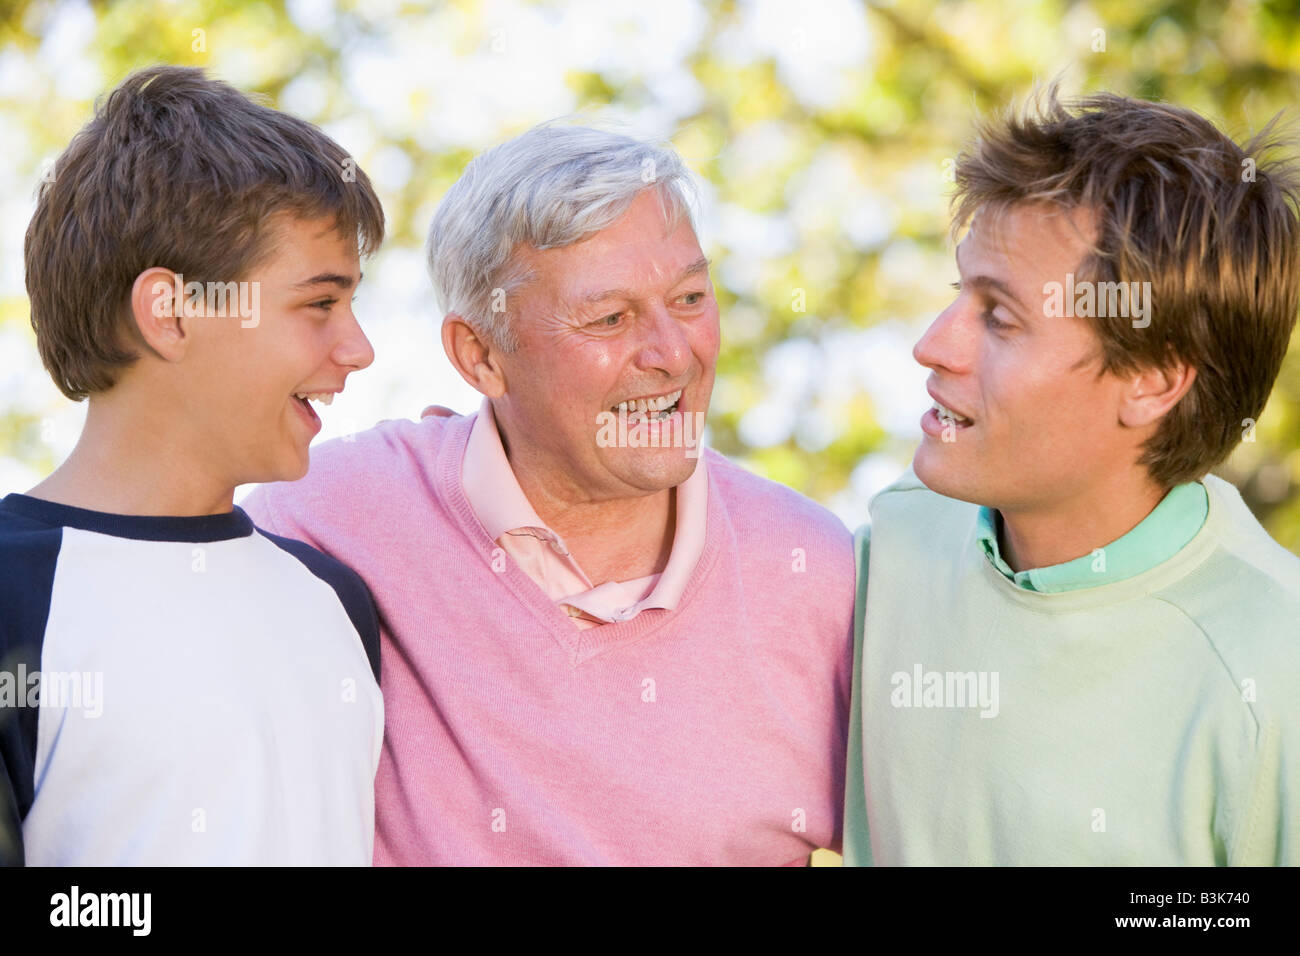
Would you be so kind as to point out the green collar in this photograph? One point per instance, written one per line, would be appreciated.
(1156, 539)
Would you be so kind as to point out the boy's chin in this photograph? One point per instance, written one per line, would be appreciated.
(290, 468)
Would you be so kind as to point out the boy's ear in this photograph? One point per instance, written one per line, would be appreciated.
(475, 358)
(1150, 393)
(157, 309)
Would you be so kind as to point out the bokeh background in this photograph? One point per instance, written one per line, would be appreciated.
(822, 131)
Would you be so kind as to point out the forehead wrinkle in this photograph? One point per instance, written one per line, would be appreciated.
(658, 272)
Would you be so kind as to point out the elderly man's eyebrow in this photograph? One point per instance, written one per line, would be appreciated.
(330, 278)
(695, 268)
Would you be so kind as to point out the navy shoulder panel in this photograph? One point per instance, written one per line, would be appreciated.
(29, 552)
(347, 584)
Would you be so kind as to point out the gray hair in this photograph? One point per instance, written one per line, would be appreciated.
(551, 186)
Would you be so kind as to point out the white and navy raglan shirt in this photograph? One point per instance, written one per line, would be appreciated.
(181, 690)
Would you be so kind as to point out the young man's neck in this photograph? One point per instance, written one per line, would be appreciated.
(132, 461)
(1074, 528)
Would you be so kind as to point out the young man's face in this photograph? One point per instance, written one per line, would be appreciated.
(626, 314)
(304, 339)
(1043, 423)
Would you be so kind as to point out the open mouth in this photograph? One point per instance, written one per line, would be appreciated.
(306, 398)
(948, 417)
(657, 409)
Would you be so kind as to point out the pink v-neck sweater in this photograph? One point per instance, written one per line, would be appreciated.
(713, 733)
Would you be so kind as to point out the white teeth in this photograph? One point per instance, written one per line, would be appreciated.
(947, 414)
(325, 398)
(643, 405)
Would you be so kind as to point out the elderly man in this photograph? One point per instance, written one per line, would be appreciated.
(600, 645)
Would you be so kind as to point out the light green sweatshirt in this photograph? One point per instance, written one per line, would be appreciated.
(1138, 706)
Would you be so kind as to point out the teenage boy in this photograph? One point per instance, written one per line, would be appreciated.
(184, 688)
(1081, 647)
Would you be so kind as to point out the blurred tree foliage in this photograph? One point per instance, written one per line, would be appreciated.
(852, 185)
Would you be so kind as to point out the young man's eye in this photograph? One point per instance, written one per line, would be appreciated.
(993, 322)
(325, 304)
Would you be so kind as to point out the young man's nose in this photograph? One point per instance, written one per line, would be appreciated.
(950, 340)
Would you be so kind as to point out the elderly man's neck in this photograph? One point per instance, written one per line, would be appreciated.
(617, 540)
(611, 539)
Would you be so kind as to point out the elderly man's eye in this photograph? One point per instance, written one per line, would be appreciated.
(609, 321)
(693, 298)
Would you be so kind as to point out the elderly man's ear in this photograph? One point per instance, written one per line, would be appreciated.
(473, 356)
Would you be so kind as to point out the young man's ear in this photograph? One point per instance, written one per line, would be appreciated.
(476, 358)
(157, 309)
(1150, 393)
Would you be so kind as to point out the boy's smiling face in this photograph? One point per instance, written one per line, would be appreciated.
(242, 375)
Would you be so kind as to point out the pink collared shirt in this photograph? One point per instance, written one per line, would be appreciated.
(712, 733)
(505, 512)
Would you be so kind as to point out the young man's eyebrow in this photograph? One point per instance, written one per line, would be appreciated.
(330, 278)
(695, 268)
(997, 285)
(984, 282)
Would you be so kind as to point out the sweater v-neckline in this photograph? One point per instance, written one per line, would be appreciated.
(579, 644)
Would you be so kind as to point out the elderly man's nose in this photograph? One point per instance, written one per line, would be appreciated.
(665, 346)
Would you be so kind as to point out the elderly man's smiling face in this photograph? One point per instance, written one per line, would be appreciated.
(627, 314)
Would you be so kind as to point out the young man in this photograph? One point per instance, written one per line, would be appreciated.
(1081, 648)
(177, 686)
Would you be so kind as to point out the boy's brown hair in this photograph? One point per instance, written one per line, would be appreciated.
(180, 171)
(1213, 226)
